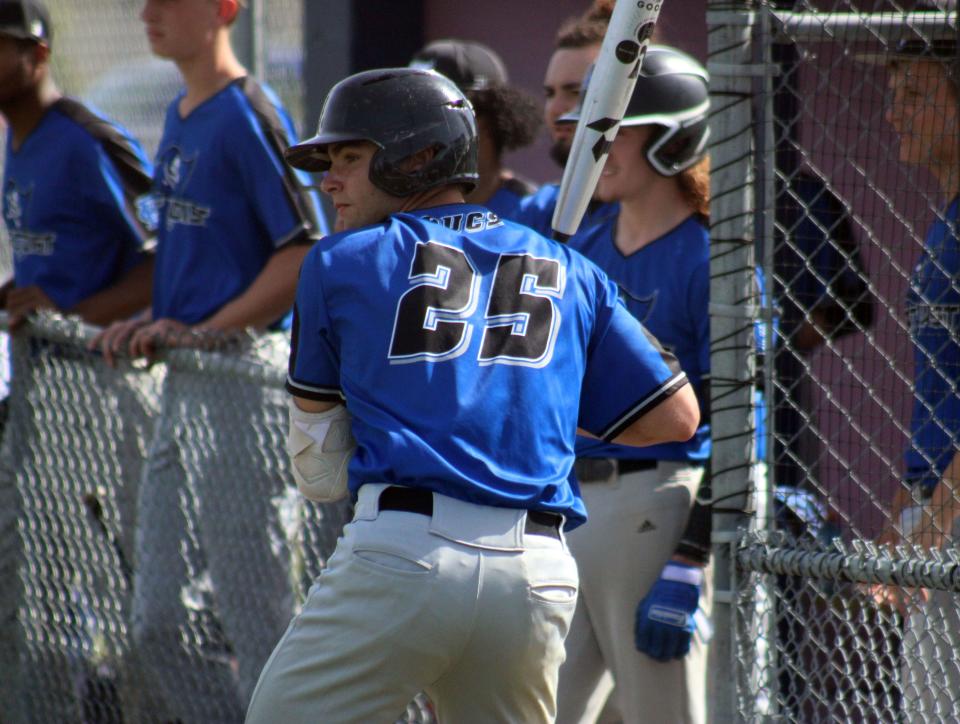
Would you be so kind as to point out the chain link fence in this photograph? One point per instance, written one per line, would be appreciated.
(823, 610)
(173, 476)
(838, 125)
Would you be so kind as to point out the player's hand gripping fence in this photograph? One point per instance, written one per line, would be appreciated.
(173, 477)
(611, 85)
(830, 172)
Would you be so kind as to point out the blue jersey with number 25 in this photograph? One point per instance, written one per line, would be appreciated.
(468, 350)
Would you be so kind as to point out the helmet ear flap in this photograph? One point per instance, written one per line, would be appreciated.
(672, 150)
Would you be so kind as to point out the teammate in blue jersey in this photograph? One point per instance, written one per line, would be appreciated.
(925, 112)
(234, 224)
(71, 186)
(576, 48)
(466, 351)
(639, 616)
(507, 118)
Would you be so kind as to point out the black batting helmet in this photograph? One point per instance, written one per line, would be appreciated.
(672, 93)
(402, 111)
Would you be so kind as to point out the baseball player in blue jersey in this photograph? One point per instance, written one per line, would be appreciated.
(576, 48)
(442, 360)
(924, 112)
(639, 618)
(234, 223)
(71, 185)
(507, 118)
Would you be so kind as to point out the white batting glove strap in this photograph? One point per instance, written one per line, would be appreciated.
(682, 574)
(320, 445)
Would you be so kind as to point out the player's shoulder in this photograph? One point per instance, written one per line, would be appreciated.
(82, 121)
(84, 130)
(258, 103)
(508, 198)
(951, 216)
(692, 237)
(541, 201)
(943, 236)
(346, 247)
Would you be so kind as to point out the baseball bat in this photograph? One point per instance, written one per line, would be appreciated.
(611, 85)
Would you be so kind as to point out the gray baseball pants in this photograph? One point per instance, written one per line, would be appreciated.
(464, 604)
(635, 523)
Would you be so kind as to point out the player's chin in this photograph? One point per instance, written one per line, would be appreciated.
(159, 48)
(347, 220)
(914, 155)
(606, 190)
(560, 151)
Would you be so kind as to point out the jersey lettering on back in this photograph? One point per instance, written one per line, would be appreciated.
(459, 325)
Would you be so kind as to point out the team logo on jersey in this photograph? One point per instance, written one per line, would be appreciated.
(176, 169)
(170, 208)
(933, 316)
(16, 202)
(148, 210)
(640, 307)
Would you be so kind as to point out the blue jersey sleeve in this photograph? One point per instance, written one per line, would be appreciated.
(281, 196)
(314, 371)
(628, 372)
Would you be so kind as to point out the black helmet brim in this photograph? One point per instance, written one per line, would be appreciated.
(311, 155)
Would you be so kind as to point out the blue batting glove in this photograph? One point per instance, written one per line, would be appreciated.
(666, 617)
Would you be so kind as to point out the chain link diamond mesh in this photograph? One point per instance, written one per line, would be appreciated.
(838, 613)
(204, 433)
(173, 475)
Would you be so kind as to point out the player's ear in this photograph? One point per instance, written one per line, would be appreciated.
(41, 52)
(228, 11)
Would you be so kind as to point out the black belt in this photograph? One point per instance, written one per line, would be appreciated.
(598, 470)
(418, 500)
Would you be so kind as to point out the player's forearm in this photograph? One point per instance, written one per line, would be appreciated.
(129, 295)
(892, 532)
(936, 524)
(267, 299)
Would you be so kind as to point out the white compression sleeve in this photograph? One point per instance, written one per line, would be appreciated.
(320, 445)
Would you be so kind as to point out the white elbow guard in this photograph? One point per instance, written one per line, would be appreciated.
(320, 445)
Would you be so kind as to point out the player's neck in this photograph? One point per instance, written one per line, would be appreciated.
(948, 176)
(433, 197)
(489, 183)
(648, 216)
(25, 112)
(207, 73)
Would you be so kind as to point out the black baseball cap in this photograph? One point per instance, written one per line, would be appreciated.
(26, 20)
(472, 66)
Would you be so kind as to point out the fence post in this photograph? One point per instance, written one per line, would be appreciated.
(730, 25)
